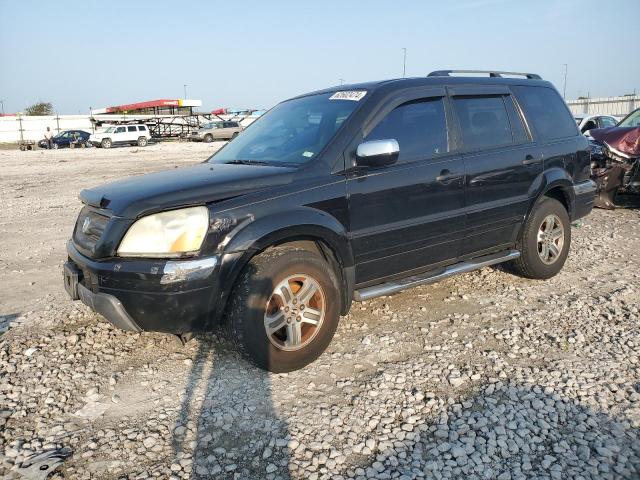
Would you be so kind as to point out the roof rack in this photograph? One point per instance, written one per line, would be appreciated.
(492, 73)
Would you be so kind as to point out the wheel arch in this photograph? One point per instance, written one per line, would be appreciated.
(554, 183)
(304, 228)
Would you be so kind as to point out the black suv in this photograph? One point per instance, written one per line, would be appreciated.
(342, 194)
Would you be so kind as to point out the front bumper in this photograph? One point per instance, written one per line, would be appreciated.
(172, 296)
(583, 197)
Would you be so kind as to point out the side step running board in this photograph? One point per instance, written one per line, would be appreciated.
(434, 276)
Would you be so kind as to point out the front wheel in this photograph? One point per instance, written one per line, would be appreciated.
(285, 309)
(55, 146)
(106, 143)
(545, 240)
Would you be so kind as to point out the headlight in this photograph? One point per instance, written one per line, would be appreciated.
(166, 234)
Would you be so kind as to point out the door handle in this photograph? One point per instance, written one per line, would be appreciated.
(530, 160)
(446, 176)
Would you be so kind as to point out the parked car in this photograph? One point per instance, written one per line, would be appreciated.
(343, 194)
(590, 122)
(67, 138)
(219, 130)
(137, 134)
(615, 153)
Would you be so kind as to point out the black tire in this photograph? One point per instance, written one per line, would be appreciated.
(245, 322)
(105, 143)
(530, 264)
(235, 134)
(208, 138)
(55, 146)
(142, 142)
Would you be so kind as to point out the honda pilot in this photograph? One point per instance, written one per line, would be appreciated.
(339, 195)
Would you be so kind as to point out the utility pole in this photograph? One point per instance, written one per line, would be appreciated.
(404, 62)
(564, 91)
(341, 81)
(185, 90)
(2, 103)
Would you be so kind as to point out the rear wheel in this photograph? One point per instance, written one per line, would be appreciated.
(106, 143)
(142, 142)
(285, 309)
(208, 138)
(235, 134)
(545, 240)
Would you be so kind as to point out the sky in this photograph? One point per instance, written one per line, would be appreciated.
(253, 54)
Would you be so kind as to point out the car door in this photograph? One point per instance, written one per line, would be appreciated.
(409, 216)
(132, 133)
(501, 164)
(63, 139)
(217, 132)
(120, 135)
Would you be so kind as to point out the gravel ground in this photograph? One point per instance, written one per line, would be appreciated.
(483, 376)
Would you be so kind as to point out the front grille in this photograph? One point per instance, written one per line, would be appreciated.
(89, 228)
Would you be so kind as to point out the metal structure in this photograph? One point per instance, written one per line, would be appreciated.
(165, 118)
(605, 105)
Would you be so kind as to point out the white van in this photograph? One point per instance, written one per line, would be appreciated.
(121, 135)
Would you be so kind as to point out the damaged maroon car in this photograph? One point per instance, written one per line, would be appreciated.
(615, 160)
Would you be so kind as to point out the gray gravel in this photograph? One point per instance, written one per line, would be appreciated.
(483, 376)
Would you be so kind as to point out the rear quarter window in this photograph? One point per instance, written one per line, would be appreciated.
(142, 128)
(546, 111)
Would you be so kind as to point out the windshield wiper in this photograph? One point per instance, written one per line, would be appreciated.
(246, 162)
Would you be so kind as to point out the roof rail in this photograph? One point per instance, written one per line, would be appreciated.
(492, 73)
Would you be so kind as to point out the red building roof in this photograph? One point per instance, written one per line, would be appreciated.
(142, 105)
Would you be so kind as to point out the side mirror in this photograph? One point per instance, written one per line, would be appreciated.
(377, 153)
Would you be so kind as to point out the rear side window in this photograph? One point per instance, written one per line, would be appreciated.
(608, 122)
(484, 121)
(142, 128)
(131, 129)
(419, 126)
(547, 112)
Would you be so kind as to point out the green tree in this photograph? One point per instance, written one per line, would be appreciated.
(40, 108)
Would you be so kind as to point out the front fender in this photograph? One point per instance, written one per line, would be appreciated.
(297, 223)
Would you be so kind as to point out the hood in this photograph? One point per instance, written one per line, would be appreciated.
(622, 139)
(203, 183)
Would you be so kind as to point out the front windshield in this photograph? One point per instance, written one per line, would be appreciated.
(293, 132)
(109, 130)
(632, 120)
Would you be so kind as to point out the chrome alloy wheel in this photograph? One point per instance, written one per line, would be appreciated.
(294, 312)
(550, 239)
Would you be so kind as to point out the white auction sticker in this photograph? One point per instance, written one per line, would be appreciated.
(354, 95)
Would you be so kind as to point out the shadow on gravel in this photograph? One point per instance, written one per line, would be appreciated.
(228, 403)
(508, 432)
